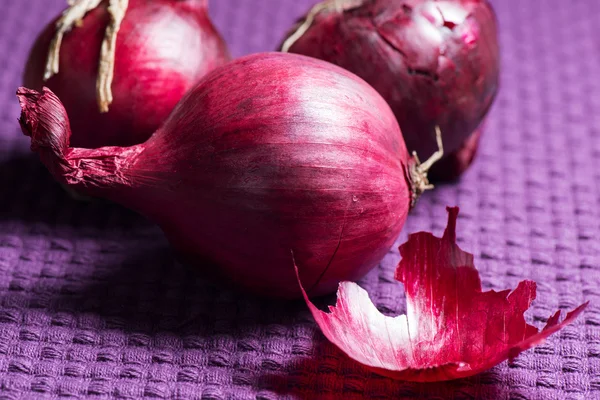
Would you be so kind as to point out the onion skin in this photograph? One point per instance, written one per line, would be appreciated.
(435, 62)
(270, 154)
(452, 329)
(163, 49)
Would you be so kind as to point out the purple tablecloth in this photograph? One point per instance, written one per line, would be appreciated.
(93, 304)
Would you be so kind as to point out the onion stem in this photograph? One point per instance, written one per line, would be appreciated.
(339, 5)
(73, 17)
(116, 9)
(418, 171)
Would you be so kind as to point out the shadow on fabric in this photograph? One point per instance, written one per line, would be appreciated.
(78, 261)
(30, 196)
(330, 372)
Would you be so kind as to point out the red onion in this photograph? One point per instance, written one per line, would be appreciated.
(125, 64)
(436, 62)
(270, 154)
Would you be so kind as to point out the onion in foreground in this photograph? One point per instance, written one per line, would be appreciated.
(270, 154)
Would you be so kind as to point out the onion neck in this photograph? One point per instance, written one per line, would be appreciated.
(97, 172)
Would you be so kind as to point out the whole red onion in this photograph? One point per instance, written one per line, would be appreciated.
(436, 62)
(270, 154)
(152, 52)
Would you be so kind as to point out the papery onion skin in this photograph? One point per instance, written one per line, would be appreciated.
(452, 329)
(163, 48)
(271, 154)
(435, 62)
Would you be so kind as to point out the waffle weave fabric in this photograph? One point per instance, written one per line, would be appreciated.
(93, 304)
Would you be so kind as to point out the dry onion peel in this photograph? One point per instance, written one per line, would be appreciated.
(451, 329)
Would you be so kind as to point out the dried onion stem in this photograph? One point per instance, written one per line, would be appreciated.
(338, 5)
(72, 17)
(418, 171)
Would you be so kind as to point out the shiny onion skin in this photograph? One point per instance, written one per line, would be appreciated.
(271, 154)
(435, 62)
(163, 48)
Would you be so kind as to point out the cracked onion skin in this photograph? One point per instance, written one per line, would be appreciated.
(435, 62)
(163, 48)
(270, 154)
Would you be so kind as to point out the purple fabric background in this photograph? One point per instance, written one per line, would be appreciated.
(93, 305)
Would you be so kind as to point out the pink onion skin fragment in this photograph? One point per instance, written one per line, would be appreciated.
(451, 329)
(435, 62)
(164, 47)
(270, 153)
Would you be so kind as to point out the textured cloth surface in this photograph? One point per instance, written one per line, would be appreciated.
(93, 304)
